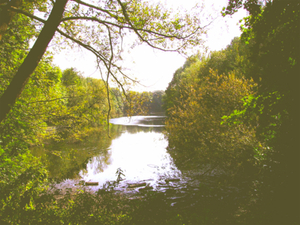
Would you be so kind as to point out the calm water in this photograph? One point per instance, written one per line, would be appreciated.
(137, 149)
(139, 152)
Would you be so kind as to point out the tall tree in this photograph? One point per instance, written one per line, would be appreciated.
(272, 31)
(100, 28)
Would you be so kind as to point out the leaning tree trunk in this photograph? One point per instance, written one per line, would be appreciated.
(33, 58)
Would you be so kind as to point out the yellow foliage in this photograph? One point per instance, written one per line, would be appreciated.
(194, 123)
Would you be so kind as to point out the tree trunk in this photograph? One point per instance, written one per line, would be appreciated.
(33, 58)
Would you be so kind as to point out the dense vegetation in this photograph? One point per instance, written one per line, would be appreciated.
(237, 111)
(53, 106)
(234, 113)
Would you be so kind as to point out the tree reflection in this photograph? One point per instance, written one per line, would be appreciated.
(66, 160)
(92, 155)
(136, 129)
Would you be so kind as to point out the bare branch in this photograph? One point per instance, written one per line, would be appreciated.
(108, 72)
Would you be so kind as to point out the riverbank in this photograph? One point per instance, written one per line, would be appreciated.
(207, 203)
(136, 182)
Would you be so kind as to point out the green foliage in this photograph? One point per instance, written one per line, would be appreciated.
(157, 101)
(249, 115)
(56, 106)
(194, 128)
(235, 57)
(71, 77)
(84, 208)
(232, 59)
(49, 110)
(274, 42)
(200, 94)
(23, 179)
(53, 106)
(173, 89)
(253, 108)
(252, 6)
(143, 103)
(73, 208)
(262, 127)
(273, 37)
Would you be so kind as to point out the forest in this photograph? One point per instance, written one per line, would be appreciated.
(233, 112)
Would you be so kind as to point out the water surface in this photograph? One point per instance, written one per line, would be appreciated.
(140, 152)
(137, 149)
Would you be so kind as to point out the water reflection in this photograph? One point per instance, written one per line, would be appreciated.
(141, 156)
(139, 152)
(138, 149)
(137, 129)
(66, 160)
(140, 121)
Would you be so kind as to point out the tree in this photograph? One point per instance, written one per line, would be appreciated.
(232, 59)
(193, 125)
(252, 6)
(137, 103)
(99, 28)
(272, 32)
(70, 77)
(156, 103)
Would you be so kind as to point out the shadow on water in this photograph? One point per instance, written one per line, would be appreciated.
(137, 146)
(66, 160)
(136, 161)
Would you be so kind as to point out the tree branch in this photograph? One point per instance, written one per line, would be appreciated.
(27, 14)
(131, 27)
(97, 8)
(140, 36)
(55, 99)
(107, 79)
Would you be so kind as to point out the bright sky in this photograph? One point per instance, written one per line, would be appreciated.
(154, 68)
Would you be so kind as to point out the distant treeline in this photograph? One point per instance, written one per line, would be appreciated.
(71, 103)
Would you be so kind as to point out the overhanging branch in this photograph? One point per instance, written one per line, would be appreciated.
(27, 14)
(140, 36)
(97, 8)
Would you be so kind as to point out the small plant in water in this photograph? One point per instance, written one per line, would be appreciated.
(120, 175)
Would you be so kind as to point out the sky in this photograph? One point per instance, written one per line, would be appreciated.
(154, 69)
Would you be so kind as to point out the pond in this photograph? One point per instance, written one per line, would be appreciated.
(134, 160)
(137, 151)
